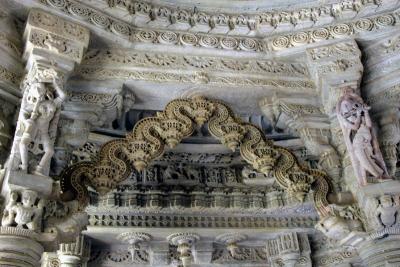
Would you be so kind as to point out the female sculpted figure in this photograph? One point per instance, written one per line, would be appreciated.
(360, 140)
(38, 121)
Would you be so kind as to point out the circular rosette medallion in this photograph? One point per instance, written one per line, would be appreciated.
(188, 39)
(120, 29)
(100, 20)
(229, 43)
(79, 11)
(168, 38)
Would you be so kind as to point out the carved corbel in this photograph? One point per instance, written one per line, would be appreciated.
(313, 127)
(134, 239)
(184, 243)
(333, 66)
(231, 242)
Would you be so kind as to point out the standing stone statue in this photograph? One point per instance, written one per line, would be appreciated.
(37, 122)
(360, 139)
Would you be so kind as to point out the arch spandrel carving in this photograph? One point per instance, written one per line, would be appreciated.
(148, 139)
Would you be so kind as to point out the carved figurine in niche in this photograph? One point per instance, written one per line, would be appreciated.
(37, 122)
(24, 213)
(171, 174)
(360, 139)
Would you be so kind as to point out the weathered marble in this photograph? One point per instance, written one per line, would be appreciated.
(116, 150)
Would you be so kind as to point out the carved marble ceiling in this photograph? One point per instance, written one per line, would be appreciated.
(213, 48)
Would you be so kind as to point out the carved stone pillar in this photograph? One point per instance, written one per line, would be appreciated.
(74, 254)
(289, 250)
(336, 67)
(52, 48)
(381, 90)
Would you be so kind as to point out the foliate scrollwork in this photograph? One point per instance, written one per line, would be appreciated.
(150, 135)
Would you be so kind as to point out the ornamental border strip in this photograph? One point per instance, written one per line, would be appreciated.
(129, 58)
(200, 77)
(251, 20)
(247, 44)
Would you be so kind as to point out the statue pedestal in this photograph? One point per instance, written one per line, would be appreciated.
(18, 180)
(18, 248)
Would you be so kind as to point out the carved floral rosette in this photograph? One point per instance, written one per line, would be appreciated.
(147, 141)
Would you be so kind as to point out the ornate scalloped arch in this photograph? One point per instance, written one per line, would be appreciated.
(150, 135)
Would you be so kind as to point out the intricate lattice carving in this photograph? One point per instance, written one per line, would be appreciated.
(147, 140)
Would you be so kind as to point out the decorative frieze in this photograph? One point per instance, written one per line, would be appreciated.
(149, 220)
(126, 31)
(109, 257)
(10, 77)
(196, 77)
(335, 31)
(261, 21)
(336, 258)
(127, 58)
(244, 255)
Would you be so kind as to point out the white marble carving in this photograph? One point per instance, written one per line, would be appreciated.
(24, 213)
(360, 139)
(37, 122)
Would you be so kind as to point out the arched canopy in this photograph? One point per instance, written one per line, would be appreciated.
(150, 135)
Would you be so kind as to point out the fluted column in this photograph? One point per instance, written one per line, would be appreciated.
(289, 250)
(74, 254)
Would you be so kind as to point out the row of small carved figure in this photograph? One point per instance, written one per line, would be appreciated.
(180, 199)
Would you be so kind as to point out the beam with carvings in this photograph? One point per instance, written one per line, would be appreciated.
(217, 71)
(100, 22)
